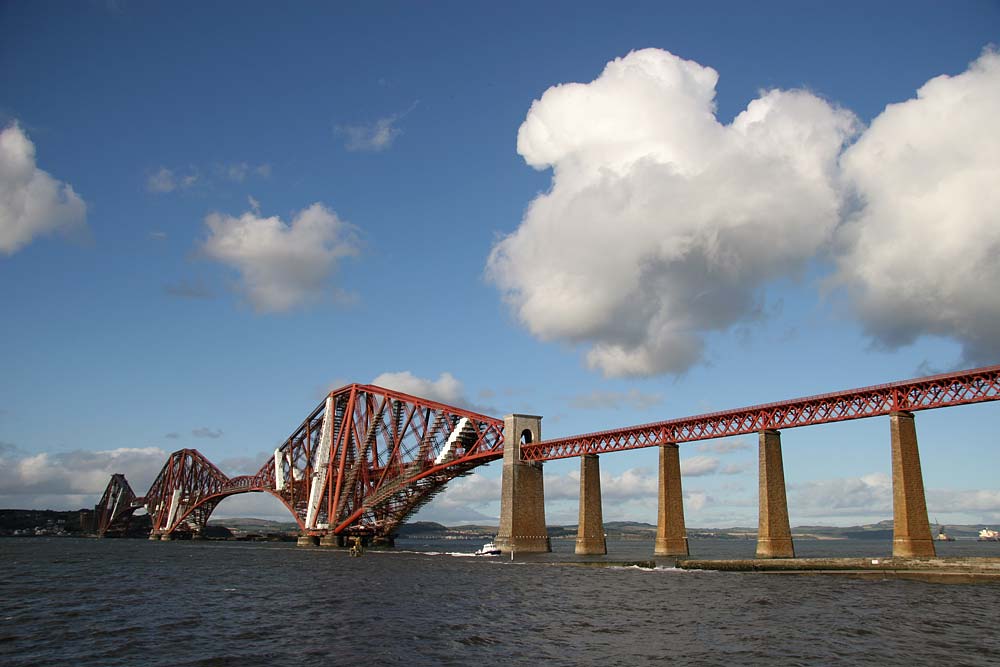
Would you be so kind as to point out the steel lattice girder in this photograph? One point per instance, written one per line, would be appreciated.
(937, 391)
(365, 459)
(116, 506)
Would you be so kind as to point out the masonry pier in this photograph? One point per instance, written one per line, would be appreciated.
(911, 532)
(590, 532)
(671, 534)
(522, 497)
(774, 535)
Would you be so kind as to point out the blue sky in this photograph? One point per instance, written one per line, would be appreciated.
(268, 202)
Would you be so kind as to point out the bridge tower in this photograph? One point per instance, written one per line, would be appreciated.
(522, 496)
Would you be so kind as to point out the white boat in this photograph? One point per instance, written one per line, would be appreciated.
(989, 535)
(943, 536)
(489, 549)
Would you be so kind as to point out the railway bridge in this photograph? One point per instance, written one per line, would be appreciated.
(367, 458)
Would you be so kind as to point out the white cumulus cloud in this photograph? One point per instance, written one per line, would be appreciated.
(832, 499)
(69, 480)
(32, 203)
(662, 224)
(281, 265)
(446, 389)
(920, 254)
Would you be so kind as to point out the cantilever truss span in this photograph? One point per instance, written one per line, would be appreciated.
(362, 462)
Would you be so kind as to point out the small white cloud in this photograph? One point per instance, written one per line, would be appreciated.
(281, 265)
(32, 203)
(696, 466)
(166, 180)
(238, 172)
(371, 137)
(474, 489)
(635, 483)
(161, 181)
(695, 501)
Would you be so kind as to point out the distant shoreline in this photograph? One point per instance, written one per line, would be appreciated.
(73, 522)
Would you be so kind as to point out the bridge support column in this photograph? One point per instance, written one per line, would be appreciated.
(590, 532)
(911, 531)
(522, 496)
(774, 535)
(307, 541)
(671, 534)
(329, 540)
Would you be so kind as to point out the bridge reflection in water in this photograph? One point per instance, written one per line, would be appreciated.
(367, 458)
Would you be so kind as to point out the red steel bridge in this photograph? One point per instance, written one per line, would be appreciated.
(367, 458)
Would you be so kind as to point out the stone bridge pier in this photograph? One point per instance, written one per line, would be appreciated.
(522, 496)
(774, 536)
(671, 534)
(911, 528)
(590, 538)
(911, 531)
(522, 504)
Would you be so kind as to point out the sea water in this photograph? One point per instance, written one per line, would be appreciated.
(89, 602)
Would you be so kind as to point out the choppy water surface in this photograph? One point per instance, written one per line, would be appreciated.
(134, 602)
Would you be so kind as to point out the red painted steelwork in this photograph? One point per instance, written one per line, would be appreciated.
(937, 391)
(117, 504)
(387, 454)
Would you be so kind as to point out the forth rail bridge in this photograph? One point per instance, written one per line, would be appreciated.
(367, 458)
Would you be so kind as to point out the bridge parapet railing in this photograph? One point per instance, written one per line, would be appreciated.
(936, 391)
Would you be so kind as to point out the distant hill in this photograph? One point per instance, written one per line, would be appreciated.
(638, 530)
(422, 528)
(79, 521)
(258, 526)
